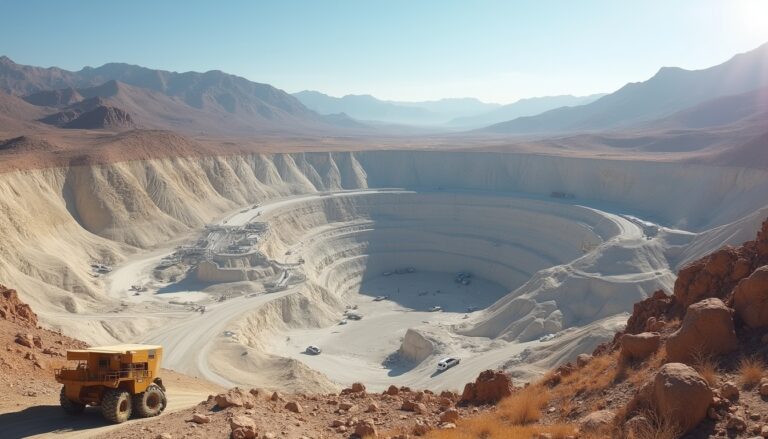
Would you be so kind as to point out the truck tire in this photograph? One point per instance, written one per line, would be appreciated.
(69, 406)
(116, 406)
(149, 403)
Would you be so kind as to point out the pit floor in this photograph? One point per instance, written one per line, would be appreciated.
(364, 349)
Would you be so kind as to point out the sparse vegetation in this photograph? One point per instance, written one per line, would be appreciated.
(751, 371)
(656, 427)
(524, 406)
(514, 418)
(707, 367)
(600, 374)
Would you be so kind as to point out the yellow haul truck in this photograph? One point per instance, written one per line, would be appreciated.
(122, 379)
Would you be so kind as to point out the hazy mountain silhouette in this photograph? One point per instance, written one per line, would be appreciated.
(369, 108)
(670, 90)
(523, 107)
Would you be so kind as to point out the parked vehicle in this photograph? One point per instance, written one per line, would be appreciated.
(313, 350)
(447, 363)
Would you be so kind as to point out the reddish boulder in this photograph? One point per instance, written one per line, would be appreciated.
(235, 397)
(27, 340)
(750, 298)
(242, 427)
(294, 407)
(489, 387)
(450, 415)
(639, 346)
(707, 329)
(366, 428)
(597, 422)
(680, 393)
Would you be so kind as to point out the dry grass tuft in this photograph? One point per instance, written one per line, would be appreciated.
(657, 427)
(707, 367)
(514, 417)
(600, 374)
(751, 371)
(645, 371)
(524, 406)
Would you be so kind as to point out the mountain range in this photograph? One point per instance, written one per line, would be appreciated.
(453, 113)
(212, 102)
(727, 97)
(671, 90)
(371, 109)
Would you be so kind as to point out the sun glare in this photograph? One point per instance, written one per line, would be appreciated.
(753, 16)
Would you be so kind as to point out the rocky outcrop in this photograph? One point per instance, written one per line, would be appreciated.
(717, 274)
(13, 309)
(103, 117)
(750, 299)
(654, 307)
(489, 387)
(707, 329)
(712, 276)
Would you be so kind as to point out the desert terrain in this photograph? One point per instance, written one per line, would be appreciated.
(267, 246)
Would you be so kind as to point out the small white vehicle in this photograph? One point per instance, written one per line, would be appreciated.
(380, 298)
(343, 322)
(436, 308)
(313, 350)
(447, 363)
(354, 316)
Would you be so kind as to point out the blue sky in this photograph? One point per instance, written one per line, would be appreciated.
(496, 50)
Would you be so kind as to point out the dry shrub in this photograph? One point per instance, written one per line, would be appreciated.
(524, 406)
(513, 418)
(750, 371)
(600, 374)
(707, 367)
(657, 427)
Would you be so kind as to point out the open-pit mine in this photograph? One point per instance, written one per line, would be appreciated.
(386, 261)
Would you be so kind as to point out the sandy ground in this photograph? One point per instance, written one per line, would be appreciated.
(45, 419)
(365, 350)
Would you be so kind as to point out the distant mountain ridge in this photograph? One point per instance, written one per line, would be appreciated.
(672, 89)
(213, 101)
(524, 107)
(369, 108)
